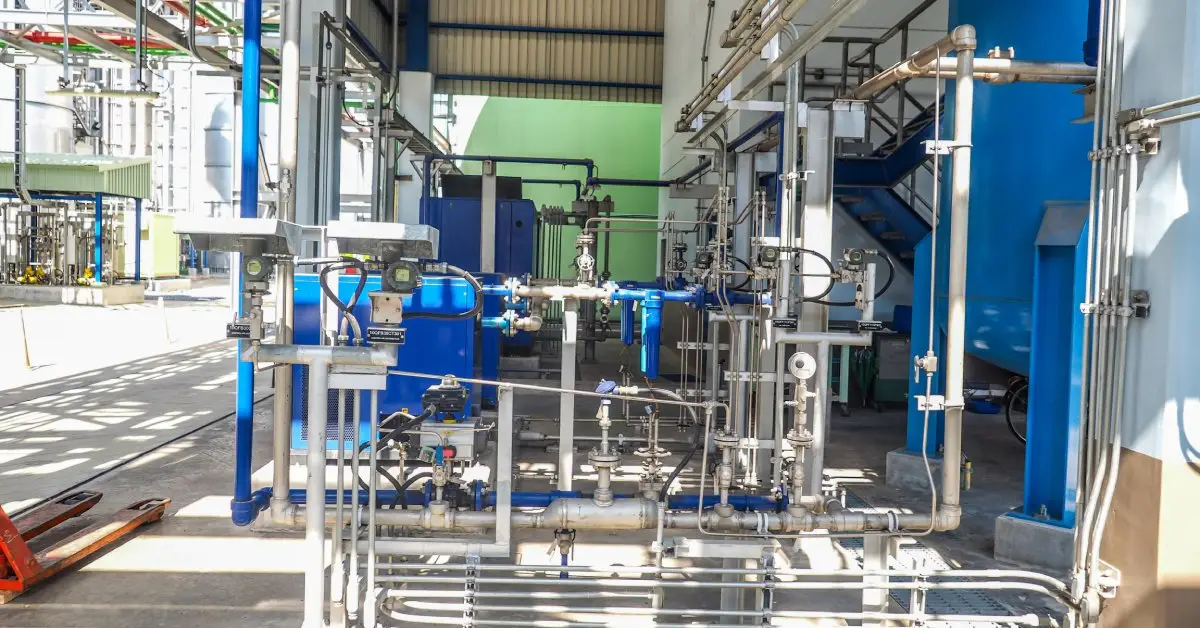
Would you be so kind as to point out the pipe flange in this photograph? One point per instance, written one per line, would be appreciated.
(726, 440)
(800, 438)
(599, 459)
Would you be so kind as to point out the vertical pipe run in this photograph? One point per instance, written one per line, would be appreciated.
(960, 197)
(566, 407)
(314, 527)
(243, 508)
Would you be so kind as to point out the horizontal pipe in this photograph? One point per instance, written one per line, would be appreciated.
(378, 355)
(797, 572)
(916, 62)
(814, 337)
(1167, 106)
(628, 183)
(551, 30)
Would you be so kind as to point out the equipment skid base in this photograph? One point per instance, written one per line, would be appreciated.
(21, 569)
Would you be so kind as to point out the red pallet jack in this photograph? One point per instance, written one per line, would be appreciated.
(21, 569)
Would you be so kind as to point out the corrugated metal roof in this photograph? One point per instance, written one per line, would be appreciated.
(568, 49)
(81, 174)
(641, 15)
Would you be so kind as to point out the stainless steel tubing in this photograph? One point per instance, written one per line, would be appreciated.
(1024, 620)
(950, 511)
(608, 570)
(1014, 66)
(310, 354)
(281, 420)
(314, 527)
(816, 337)
(814, 460)
(289, 115)
(566, 402)
(963, 35)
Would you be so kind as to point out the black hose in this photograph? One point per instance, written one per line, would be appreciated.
(701, 439)
(878, 293)
(347, 309)
(472, 313)
(832, 270)
(401, 497)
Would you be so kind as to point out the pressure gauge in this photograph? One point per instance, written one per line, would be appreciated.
(255, 268)
(402, 276)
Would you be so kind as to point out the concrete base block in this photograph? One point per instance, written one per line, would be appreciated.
(906, 470)
(1024, 541)
(177, 284)
(124, 294)
(521, 366)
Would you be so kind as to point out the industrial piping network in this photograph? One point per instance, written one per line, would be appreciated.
(789, 502)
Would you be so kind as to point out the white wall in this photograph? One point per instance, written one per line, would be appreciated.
(1162, 390)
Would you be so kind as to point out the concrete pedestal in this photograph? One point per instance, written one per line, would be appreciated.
(906, 470)
(124, 294)
(176, 284)
(1029, 542)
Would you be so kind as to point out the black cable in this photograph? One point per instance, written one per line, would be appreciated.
(472, 313)
(700, 440)
(832, 270)
(741, 287)
(347, 309)
(878, 293)
(401, 497)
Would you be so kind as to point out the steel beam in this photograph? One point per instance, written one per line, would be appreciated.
(86, 19)
(107, 47)
(167, 32)
(38, 50)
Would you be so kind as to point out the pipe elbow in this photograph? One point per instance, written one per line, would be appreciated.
(948, 518)
(963, 37)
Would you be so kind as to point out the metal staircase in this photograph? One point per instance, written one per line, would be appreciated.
(882, 188)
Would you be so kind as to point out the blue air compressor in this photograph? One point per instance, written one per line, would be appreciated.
(441, 345)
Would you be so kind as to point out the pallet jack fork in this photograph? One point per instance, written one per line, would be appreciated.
(21, 569)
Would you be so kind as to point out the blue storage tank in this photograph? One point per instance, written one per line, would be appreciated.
(431, 346)
(1027, 153)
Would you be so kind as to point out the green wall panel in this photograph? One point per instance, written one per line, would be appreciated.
(622, 138)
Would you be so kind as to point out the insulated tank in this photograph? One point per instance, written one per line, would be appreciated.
(1027, 153)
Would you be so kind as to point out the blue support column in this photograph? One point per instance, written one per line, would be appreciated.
(416, 37)
(98, 240)
(245, 508)
(137, 239)
(1055, 369)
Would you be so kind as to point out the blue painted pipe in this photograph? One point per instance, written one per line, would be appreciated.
(536, 499)
(554, 161)
(629, 183)
(300, 496)
(627, 322)
(575, 182)
(245, 507)
(651, 333)
(98, 239)
(758, 127)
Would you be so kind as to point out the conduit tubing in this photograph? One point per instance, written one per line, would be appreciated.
(289, 129)
(917, 62)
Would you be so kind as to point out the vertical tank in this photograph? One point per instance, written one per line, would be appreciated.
(1027, 152)
(48, 127)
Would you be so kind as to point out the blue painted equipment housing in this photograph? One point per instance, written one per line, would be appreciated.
(458, 219)
(440, 347)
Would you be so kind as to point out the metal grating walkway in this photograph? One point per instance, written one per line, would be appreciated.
(915, 554)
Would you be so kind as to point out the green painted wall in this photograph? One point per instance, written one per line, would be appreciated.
(622, 138)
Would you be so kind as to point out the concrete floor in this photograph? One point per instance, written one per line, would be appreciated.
(196, 569)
